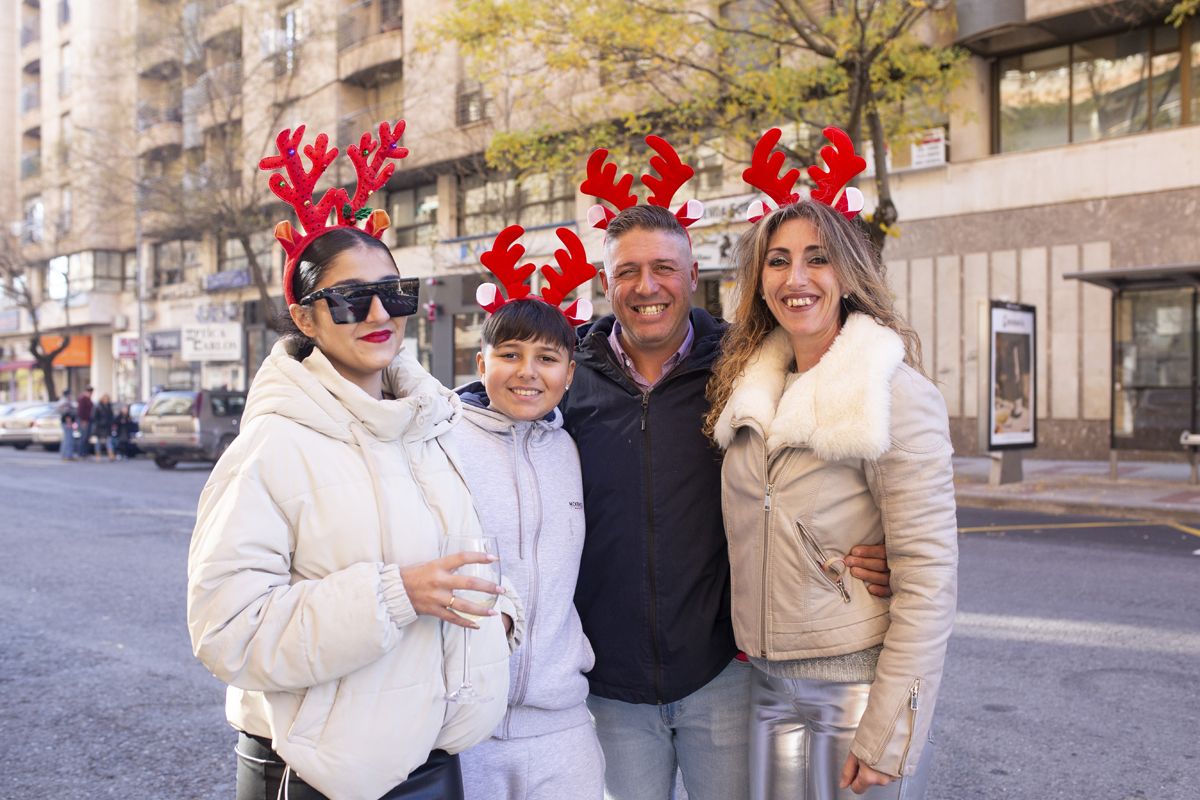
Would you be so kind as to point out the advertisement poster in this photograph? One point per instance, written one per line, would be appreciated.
(1013, 388)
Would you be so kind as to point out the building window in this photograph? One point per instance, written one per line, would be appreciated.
(487, 206)
(64, 70)
(291, 31)
(232, 255)
(32, 230)
(1096, 89)
(546, 199)
(175, 261)
(66, 217)
(471, 103)
(65, 139)
(414, 214)
(64, 12)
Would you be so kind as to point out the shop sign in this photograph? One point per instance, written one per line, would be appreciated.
(216, 341)
(218, 312)
(229, 279)
(125, 346)
(162, 343)
(1012, 371)
(725, 210)
(77, 354)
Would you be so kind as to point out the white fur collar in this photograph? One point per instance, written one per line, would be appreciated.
(841, 408)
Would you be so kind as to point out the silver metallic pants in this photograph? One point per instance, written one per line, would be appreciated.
(800, 735)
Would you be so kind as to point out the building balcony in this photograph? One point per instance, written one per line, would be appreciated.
(160, 129)
(31, 164)
(214, 99)
(220, 18)
(158, 55)
(371, 42)
(31, 110)
(31, 45)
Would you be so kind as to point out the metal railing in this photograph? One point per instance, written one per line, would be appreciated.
(31, 164)
(220, 82)
(149, 115)
(368, 18)
(31, 97)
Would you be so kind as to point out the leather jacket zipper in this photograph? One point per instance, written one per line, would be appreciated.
(913, 696)
(822, 563)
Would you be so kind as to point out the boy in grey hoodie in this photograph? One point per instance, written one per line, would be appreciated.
(523, 471)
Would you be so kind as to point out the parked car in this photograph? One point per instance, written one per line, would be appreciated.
(188, 425)
(16, 429)
(47, 429)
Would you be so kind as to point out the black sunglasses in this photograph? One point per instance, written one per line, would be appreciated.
(352, 303)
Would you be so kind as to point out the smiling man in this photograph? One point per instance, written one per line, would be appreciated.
(667, 692)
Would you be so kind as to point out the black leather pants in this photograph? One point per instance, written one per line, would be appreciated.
(260, 772)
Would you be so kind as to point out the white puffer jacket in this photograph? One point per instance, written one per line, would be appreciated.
(294, 593)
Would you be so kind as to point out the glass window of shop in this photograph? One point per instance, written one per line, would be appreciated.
(414, 214)
(488, 206)
(467, 328)
(1154, 370)
(1096, 89)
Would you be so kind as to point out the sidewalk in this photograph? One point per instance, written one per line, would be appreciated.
(1143, 489)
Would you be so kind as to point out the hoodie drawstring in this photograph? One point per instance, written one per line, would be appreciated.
(520, 506)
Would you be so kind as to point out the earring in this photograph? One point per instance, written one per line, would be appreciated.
(846, 296)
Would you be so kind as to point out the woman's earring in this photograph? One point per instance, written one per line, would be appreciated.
(846, 296)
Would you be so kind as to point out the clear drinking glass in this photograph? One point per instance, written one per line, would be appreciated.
(466, 693)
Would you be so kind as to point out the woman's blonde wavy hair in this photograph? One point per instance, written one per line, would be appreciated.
(859, 272)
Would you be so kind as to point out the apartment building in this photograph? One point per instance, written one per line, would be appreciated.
(1067, 178)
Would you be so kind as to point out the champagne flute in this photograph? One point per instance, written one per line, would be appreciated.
(490, 571)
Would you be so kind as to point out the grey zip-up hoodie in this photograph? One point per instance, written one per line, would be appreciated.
(527, 485)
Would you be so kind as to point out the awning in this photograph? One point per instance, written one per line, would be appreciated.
(10, 366)
(1171, 276)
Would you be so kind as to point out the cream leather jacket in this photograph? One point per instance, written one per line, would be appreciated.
(294, 593)
(856, 451)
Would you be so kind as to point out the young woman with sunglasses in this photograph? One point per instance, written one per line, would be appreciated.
(316, 590)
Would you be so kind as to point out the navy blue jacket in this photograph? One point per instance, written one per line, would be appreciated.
(653, 590)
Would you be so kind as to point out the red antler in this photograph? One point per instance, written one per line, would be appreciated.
(574, 268)
(298, 194)
(501, 260)
(842, 162)
(373, 175)
(673, 173)
(601, 182)
(764, 170)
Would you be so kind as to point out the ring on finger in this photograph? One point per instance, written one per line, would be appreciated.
(450, 605)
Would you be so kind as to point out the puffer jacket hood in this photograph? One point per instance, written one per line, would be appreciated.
(306, 393)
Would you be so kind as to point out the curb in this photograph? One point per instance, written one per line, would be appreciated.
(1154, 513)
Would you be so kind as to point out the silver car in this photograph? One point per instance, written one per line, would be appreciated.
(16, 429)
(190, 425)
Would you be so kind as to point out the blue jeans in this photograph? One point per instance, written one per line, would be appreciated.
(705, 735)
(67, 448)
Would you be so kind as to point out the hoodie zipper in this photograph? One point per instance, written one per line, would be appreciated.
(817, 556)
(532, 603)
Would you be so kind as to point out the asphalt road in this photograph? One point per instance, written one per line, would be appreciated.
(1072, 672)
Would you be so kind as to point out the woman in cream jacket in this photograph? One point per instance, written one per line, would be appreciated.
(315, 587)
(833, 438)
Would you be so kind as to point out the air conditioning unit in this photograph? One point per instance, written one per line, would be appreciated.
(120, 322)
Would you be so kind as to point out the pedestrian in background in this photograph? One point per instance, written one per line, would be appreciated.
(83, 411)
(102, 427)
(123, 433)
(66, 412)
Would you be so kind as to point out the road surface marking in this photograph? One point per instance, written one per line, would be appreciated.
(1062, 525)
(1139, 638)
(1184, 529)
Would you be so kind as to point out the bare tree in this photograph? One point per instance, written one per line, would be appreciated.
(15, 285)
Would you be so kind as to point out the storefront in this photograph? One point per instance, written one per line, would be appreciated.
(1156, 379)
(167, 367)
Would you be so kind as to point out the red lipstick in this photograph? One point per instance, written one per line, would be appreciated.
(377, 337)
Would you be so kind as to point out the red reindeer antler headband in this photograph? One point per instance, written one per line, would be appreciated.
(602, 182)
(842, 165)
(298, 193)
(574, 270)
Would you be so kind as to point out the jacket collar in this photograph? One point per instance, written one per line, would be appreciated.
(594, 351)
(313, 394)
(477, 409)
(841, 408)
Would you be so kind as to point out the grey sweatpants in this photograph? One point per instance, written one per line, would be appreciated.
(555, 766)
